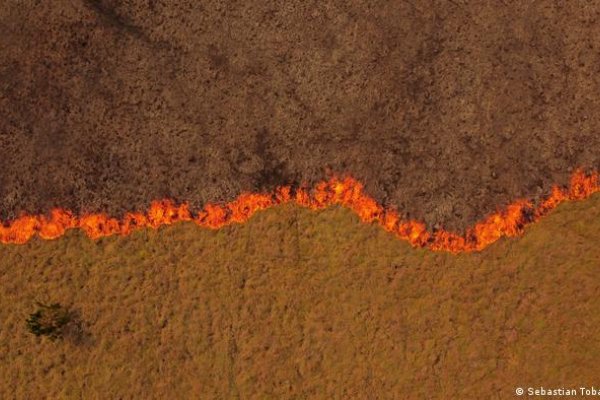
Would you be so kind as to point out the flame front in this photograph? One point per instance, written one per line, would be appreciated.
(346, 192)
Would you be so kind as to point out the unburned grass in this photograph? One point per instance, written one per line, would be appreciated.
(296, 304)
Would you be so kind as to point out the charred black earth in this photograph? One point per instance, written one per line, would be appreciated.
(446, 110)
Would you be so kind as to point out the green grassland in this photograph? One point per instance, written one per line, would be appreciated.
(297, 304)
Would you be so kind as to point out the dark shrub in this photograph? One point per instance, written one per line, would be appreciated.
(54, 321)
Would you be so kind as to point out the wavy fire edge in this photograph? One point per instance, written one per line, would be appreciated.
(344, 191)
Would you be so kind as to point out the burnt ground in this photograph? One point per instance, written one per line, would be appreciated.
(444, 109)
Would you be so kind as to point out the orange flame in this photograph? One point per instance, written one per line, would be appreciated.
(346, 192)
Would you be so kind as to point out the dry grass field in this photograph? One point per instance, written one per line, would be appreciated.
(296, 304)
(445, 110)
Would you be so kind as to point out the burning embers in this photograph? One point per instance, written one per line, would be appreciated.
(346, 192)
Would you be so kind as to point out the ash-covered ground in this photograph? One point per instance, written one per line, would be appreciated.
(446, 110)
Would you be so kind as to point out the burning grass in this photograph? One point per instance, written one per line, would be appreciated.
(346, 192)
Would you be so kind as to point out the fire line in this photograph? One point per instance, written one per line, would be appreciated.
(346, 192)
